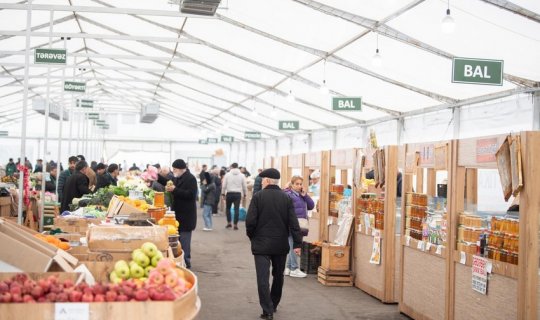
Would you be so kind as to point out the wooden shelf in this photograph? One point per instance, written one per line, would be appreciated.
(413, 244)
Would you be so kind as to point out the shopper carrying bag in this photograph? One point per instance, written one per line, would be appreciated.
(302, 202)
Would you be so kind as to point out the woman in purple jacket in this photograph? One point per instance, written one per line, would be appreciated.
(302, 203)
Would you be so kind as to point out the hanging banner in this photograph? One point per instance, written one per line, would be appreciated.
(227, 139)
(479, 274)
(252, 135)
(50, 56)
(74, 86)
(347, 103)
(289, 125)
(3, 133)
(376, 250)
(477, 71)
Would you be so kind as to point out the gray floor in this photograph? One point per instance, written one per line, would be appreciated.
(224, 265)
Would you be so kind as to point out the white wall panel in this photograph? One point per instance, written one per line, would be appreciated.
(437, 126)
(284, 146)
(300, 143)
(321, 140)
(350, 138)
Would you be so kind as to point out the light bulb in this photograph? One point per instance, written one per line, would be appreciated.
(377, 59)
(324, 89)
(448, 25)
(290, 96)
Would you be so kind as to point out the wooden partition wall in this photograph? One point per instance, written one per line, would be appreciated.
(319, 161)
(288, 165)
(380, 280)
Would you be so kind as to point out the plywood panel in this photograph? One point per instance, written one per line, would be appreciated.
(397, 267)
(369, 277)
(424, 283)
(313, 159)
(479, 152)
(295, 161)
(499, 303)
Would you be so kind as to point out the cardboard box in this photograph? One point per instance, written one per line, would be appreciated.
(185, 308)
(120, 238)
(117, 206)
(335, 258)
(75, 225)
(5, 206)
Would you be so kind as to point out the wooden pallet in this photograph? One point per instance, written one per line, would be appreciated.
(335, 278)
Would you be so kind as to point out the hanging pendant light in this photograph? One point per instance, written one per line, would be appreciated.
(323, 88)
(376, 61)
(448, 25)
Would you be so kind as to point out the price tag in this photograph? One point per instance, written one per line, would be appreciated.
(463, 258)
(421, 245)
(439, 250)
(71, 311)
(408, 241)
(428, 246)
(489, 267)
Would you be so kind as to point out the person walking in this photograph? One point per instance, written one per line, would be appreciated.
(184, 194)
(270, 220)
(76, 185)
(302, 203)
(257, 184)
(208, 198)
(233, 189)
(217, 181)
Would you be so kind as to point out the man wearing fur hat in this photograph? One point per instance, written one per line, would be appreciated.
(270, 219)
(184, 194)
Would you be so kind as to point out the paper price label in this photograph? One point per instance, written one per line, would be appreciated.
(463, 257)
(439, 250)
(408, 241)
(428, 246)
(71, 311)
(421, 245)
(489, 267)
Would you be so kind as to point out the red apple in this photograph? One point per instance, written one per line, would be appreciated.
(28, 298)
(42, 299)
(88, 291)
(45, 285)
(75, 296)
(87, 297)
(68, 283)
(4, 287)
(99, 298)
(141, 295)
(15, 289)
(169, 296)
(122, 297)
(110, 296)
(16, 298)
(53, 279)
(51, 297)
(36, 292)
(56, 288)
(62, 297)
(5, 297)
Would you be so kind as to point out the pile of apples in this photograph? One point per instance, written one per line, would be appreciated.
(143, 260)
(21, 289)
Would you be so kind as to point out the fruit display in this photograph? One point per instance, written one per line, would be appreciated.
(169, 220)
(54, 241)
(168, 283)
(143, 261)
(139, 204)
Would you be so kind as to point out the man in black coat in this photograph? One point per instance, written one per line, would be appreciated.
(76, 185)
(269, 221)
(184, 193)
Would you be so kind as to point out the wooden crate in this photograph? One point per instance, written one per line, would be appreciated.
(335, 278)
(335, 258)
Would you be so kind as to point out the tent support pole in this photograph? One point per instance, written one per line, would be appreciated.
(536, 111)
(25, 105)
(457, 122)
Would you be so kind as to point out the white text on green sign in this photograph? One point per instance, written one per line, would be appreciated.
(212, 140)
(85, 103)
(93, 116)
(74, 86)
(203, 141)
(477, 71)
(347, 104)
(252, 135)
(227, 139)
(289, 125)
(50, 56)
(3, 133)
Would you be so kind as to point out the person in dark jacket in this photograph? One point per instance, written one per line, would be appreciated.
(217, 181)
(208, 198)
(270, 220)
(11, 168)
(76, 185)
(65, 175)
(50, 186)
(257, 184)
(184, 192)
(302, 202)
(101, 176)
(112, 174)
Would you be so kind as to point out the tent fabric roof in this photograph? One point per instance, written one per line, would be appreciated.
(210, 73)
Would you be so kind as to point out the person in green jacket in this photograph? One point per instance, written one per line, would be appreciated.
(11, 168)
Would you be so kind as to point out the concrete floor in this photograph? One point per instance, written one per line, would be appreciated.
(223, 262)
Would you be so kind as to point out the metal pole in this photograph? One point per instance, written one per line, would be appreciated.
(457, 122)
(536, 111)
(61, 118)
(47, 109)
(25, 105)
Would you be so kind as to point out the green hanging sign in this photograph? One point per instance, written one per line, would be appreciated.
(289, 125)
(347, 103)
(227, 139)
(477, 71)
(50, 56)
(252, 135)
(73, 86)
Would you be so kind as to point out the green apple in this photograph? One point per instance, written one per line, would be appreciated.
(121, 269)
(114, 278)
(149, 249)
(156, 258)
(141, 259)
(136, 271)
(147, 270)
(135, 252)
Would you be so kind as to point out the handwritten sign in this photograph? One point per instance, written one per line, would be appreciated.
(486, 150)
(479, 274)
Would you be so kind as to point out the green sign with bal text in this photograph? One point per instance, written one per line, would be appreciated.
(227, 139)
(347, 103)
(477, 71)
(289, 125)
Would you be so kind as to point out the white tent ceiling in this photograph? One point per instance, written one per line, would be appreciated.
(210, 73)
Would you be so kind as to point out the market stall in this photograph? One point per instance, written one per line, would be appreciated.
(376, 251)
(318, 162)
(423, 272)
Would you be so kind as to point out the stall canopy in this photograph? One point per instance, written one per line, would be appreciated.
(257, 62)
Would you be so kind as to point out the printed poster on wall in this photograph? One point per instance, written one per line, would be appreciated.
(376, 251)
(479, 274)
